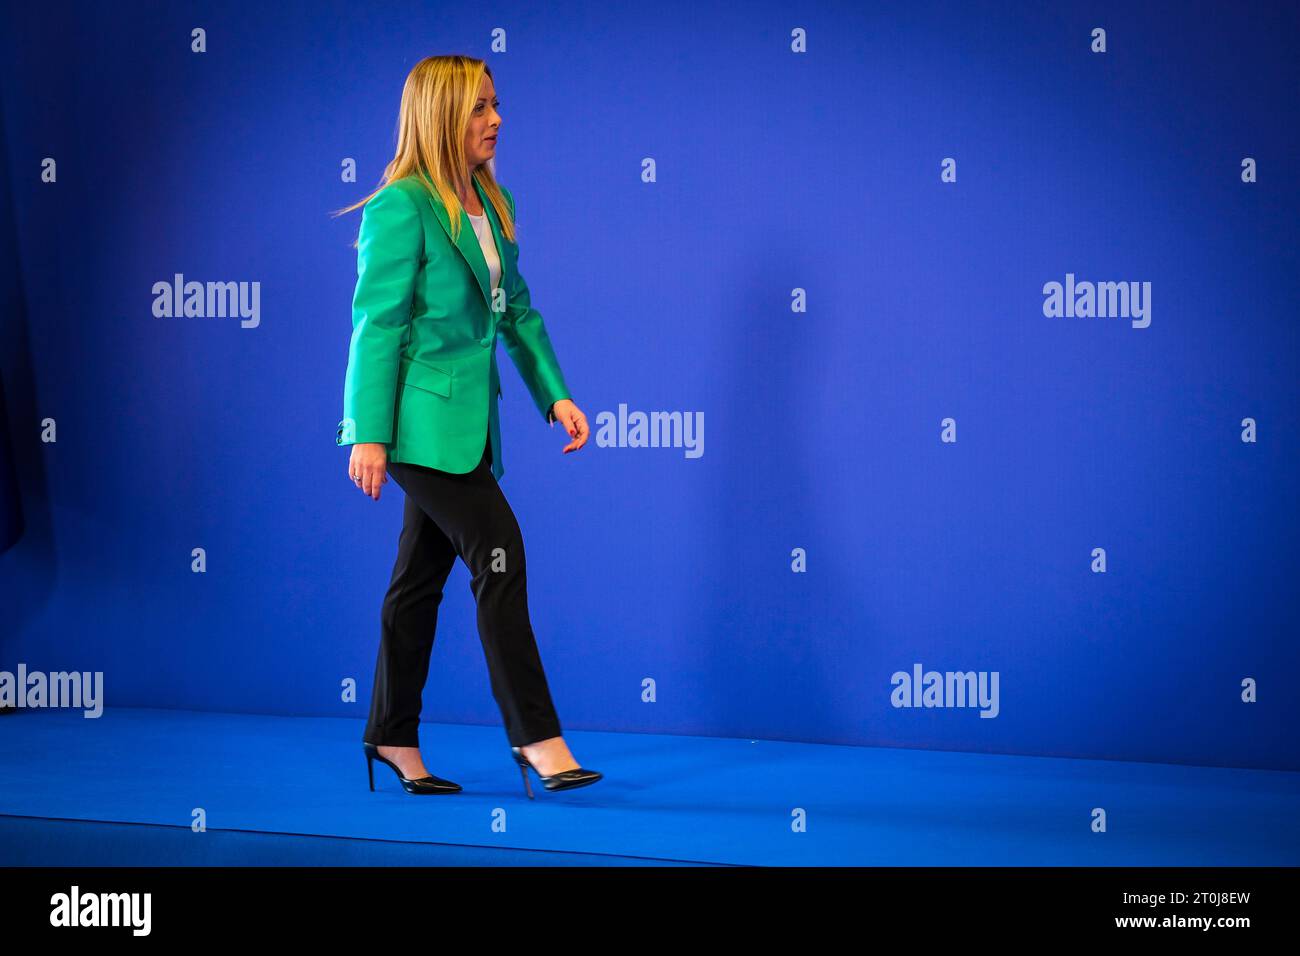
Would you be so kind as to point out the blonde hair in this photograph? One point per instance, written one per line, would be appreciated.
(437, 103)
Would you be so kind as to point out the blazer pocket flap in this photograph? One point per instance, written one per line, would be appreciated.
(427, 377)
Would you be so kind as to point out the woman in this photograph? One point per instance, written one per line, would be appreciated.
(434, 289)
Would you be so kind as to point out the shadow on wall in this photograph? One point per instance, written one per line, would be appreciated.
(27, 560)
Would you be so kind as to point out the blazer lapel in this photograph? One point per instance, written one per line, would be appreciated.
(469, 247)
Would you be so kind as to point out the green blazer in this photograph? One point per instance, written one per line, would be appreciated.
(422, 369)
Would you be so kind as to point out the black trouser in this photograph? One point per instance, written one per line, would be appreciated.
(447, 516)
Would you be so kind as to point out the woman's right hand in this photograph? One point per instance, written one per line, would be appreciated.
(368, 467)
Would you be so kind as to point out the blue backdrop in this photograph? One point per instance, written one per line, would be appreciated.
(714, 220)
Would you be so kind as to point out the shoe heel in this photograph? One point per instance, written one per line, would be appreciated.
(370, 768)
(523, 764)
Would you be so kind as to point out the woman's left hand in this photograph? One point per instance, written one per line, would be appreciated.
(575, 423)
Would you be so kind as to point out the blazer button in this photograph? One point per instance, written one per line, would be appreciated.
(486, 343)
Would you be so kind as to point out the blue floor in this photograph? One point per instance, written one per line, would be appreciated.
(122, 789)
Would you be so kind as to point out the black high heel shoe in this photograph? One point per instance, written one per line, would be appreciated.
(420, 785)
(564, 780)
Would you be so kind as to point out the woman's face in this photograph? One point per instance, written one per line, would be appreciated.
(484, 121)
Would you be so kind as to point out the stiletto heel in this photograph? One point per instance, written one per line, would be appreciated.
(564, 780)
(420, 785)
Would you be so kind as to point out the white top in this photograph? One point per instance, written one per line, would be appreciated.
(489, 247)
